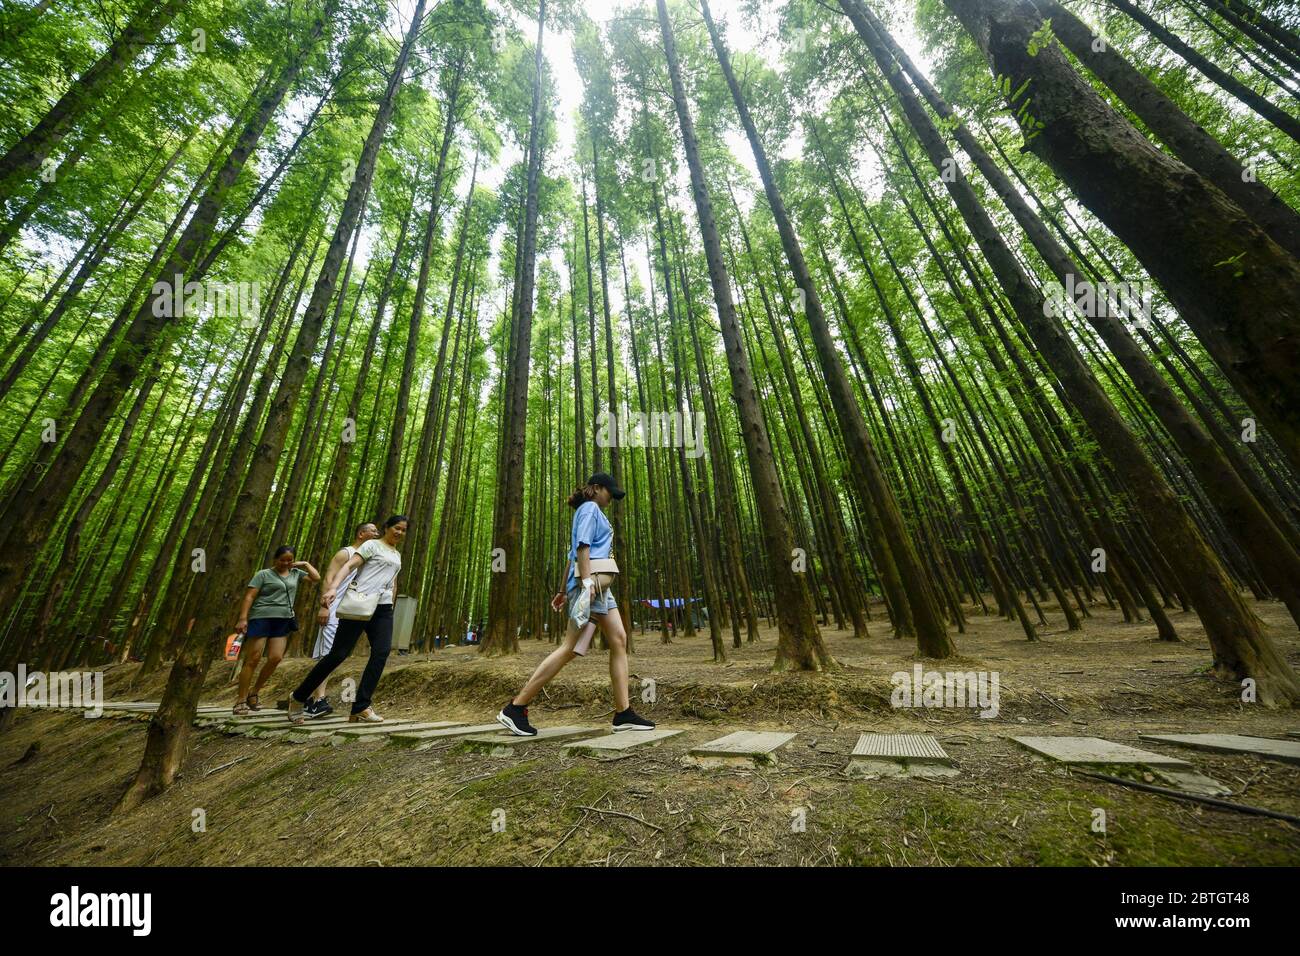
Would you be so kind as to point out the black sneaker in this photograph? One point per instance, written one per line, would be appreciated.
(318, 708)
(515, 719)
(629, 720)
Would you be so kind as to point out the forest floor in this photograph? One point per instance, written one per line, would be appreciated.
(270, 802)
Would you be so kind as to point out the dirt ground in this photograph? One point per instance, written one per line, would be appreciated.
(270, 802)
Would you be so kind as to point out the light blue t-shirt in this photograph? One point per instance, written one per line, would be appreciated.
(592, 528)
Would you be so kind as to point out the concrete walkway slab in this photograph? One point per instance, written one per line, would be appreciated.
(1285, 750)
(1095, 752)
(261, 717)
(1191, 782)
(623, 741)
(744, 748)
(320, 728)
(899, 755)
(282, 726)
(505, 743)
(419, 738)
(361, 731)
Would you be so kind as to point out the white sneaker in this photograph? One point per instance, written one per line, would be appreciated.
(367, 716)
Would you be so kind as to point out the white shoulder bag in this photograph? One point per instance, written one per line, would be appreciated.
(357, 605)
(360, 605)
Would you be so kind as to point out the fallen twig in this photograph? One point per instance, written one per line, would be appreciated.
(572, 830)
(1196, 798)
(1052, 702)
(225, 765)
(618, 813)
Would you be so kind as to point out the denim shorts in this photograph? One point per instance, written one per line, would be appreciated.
(271, 627)
(602, 602)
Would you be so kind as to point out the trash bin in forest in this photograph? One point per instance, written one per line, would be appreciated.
(403, 622)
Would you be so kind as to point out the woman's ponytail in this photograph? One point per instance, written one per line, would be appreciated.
(582, 495)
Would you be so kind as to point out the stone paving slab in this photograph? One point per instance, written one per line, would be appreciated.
(260, 717)
(417, 738)
(337, 723)
(282, 726)
(357, 731)
(742, 748)
(895, 755)
(1094, 750)
(315, 729)
(123, 713)
(130, 705)
(505, 743)
(623, 741)
(1266, 747)
(226, 718)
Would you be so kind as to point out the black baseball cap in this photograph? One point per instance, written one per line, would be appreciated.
(606, 481)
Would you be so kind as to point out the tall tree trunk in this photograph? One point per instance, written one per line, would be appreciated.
(1241, 646)
(169, 729)
(507, 521)
(388, 487)
(617, 518)
(931, 631)
(1188, 141)
(1237, 289)
(1253, 528)
(1226, 81)
(799, 643)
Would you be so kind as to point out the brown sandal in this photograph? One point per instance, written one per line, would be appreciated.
(240, 709)
(252, 703)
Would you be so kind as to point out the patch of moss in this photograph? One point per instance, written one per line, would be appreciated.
(1053, 827)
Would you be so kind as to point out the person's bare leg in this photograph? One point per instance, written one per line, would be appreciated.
(252, 657)
(551, 665)
(616, 639)
(275, 647)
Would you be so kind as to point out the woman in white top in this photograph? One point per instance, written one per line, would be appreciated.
(376, 564)
(319, 705)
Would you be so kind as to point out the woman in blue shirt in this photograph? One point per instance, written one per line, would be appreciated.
(588, 577)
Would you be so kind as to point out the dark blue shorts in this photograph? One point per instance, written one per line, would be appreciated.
(271, 627)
